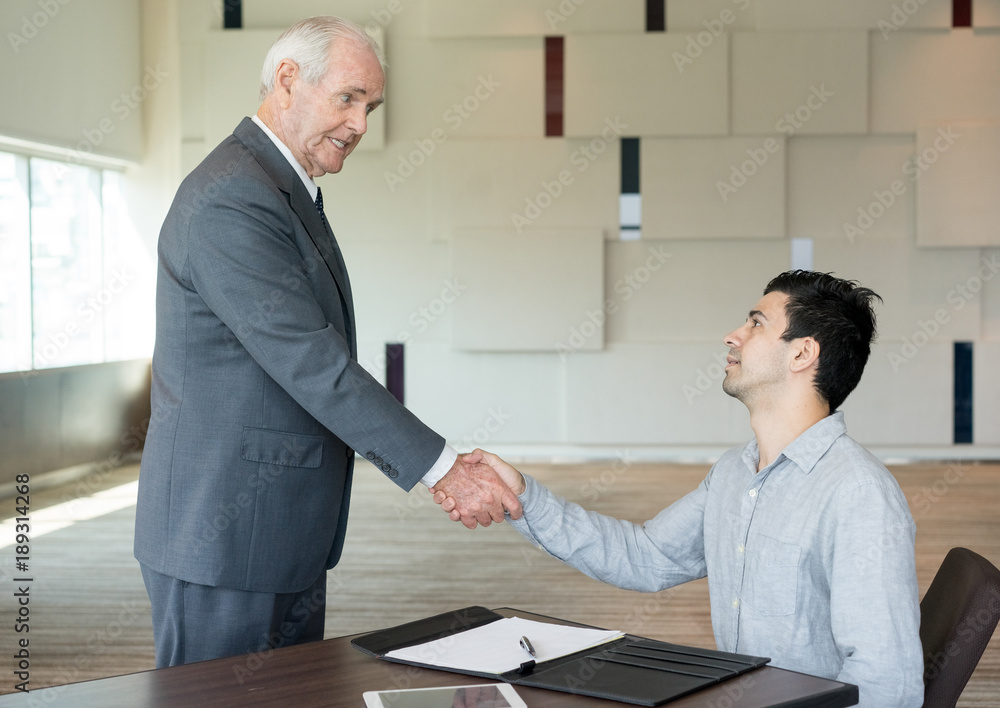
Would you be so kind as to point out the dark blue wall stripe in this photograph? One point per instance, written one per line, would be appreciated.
(963, 392)
(394, 370)
(656, 15)
(232, 14)
(630, 165)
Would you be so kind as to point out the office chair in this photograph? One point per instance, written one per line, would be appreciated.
(957, 618)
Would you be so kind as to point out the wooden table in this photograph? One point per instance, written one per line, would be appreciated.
(333, 674)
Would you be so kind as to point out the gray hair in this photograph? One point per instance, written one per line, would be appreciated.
(308, 44)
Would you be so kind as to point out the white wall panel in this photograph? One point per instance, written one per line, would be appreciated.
(845, 188)
(800, 82)
(526, 185)
(448, 88)
(73, 76)
(380, 195)
(475, 400)
(713, 188)
(195, 18)
(527, 292)
(192, 89)
(986, 393)
(402, 292)
(920, 78)
(669, 394)
(904, 401)
(683, 291)
(649, 82)
(488, 18)
(957, 202)
(991, 297)
(882, 15)
(233, 62)
(924, 290)
(711, 15)
(986, 13)
(394, 16)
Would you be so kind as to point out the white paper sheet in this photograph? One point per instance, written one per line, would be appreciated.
(495, 647)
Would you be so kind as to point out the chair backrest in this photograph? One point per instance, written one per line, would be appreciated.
(957, 618)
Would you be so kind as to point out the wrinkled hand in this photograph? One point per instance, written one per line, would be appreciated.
(475, 492)
(509, 477)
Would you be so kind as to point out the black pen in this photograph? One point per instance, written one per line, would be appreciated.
(526, 645)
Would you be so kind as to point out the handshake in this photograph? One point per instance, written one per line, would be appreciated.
(478, 489)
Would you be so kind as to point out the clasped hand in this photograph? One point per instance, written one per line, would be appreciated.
(478, 489)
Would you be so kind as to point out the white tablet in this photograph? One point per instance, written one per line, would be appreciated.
(490, 695)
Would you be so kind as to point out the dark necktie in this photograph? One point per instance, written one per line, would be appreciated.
(319, 207)
(348, 299)
(329, 232)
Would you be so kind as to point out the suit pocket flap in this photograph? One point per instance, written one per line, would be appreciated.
(274, 447)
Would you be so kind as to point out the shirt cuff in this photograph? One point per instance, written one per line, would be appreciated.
(440, 468)
(532, 492)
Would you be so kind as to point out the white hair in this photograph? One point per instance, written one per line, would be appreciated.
(308, 44)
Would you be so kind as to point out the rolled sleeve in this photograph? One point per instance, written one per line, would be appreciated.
(663, 552)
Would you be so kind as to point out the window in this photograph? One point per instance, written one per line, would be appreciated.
(75, 278)
(15, 259)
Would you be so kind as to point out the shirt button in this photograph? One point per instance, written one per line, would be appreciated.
(740, 548)
(736, 603)
(752, 493)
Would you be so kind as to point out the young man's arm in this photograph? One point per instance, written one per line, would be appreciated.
(663, 552)
(875, 610)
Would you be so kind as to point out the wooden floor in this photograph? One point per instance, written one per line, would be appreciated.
(89, 614)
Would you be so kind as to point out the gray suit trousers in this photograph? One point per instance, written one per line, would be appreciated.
(193, 622)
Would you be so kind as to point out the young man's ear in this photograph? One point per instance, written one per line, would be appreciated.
(805, 354)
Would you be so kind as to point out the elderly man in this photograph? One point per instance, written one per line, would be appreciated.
(806, 539)
(258, 400)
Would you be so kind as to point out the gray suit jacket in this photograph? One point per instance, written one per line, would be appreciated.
(258, 399)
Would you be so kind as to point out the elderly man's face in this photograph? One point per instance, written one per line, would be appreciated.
(323, 123)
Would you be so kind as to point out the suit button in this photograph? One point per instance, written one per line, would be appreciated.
(370, 455)
(378, 460)
(386, 468)
(393, 474)
(349, 452)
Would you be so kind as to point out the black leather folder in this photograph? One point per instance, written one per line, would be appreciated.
(632, 669)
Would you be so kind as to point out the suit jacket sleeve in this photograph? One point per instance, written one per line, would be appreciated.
(247, 263)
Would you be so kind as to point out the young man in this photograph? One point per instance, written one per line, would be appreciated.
(806, 539)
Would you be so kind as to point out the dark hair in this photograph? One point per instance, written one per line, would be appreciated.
(836, 313)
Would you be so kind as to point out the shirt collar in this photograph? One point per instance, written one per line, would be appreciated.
(299, 169)
(807, 449)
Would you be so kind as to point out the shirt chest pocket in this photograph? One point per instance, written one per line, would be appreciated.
(771, 578)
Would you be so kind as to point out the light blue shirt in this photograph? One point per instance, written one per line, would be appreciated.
(809, 561)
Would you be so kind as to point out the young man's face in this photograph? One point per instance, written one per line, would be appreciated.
(757, 364)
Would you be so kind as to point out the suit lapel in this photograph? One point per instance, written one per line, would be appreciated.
(326, 243)
(285, 179)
